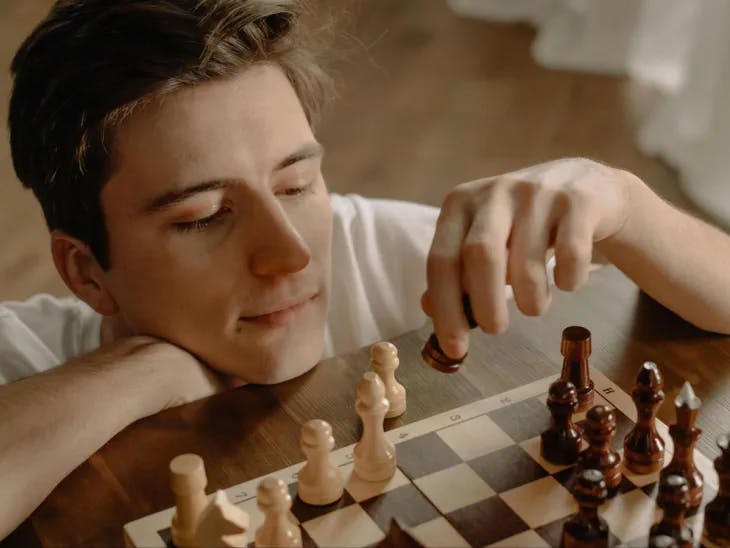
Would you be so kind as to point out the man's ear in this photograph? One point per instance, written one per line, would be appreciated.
(81, 272)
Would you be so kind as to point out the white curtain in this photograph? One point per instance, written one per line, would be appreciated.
(681, 46)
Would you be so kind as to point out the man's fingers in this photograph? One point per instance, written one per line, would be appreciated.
(573, 249)
(484, 263)
(527, 251)
(443, 271)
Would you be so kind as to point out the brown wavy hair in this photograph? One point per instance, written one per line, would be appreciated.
(91, 63)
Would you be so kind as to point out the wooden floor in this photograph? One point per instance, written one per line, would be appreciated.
(426, 100)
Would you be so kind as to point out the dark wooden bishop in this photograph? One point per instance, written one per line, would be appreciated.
(673, 499)
(575, 346)
(643, 446)
(586, 529)
(560, 444)
(685, 435)
(599, 429)
(717, 511)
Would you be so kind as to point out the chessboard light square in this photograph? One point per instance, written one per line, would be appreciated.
(522, 540)
(642, 509)
(438, 533)
(540, 501)
(362, 490)
(349, 526)
(454, 488)
(532, 446)
(475, 437)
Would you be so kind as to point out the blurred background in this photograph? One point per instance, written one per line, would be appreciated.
(436, 92)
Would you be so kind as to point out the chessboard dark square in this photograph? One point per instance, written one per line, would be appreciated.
(425, 454)
(507, 468)
(523, 420)
(305, 512)
(406, 503)
(166, 536)
(486, 521)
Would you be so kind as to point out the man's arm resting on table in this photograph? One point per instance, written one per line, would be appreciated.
(51, 422)
(679, 260)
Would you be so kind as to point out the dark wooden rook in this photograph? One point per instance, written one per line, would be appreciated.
(717, 511)
(586, 529)
(560, 444)
(600, 429)
(575, 347)
(685, 435)
(673, 499)
(643, 446)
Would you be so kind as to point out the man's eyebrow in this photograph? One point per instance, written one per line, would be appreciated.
(176, 196)
(310, 150)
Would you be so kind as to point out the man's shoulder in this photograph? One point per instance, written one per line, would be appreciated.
(42, 332)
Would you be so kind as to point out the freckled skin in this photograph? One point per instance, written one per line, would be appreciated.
(267, 245)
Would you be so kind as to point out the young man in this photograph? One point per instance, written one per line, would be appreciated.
(170, 145)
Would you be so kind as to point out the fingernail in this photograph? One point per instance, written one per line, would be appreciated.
(455, 346)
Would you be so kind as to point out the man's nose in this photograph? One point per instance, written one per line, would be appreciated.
(279, 249)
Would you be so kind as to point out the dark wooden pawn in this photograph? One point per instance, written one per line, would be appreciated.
(673, 499)
(560, 444)
(643, 446)
(599, 429)
(685, 435)
(433, 354)
(575, 346)
(586, 529)
(717, 511)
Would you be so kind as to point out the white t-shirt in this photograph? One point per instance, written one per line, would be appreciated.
(378, 274)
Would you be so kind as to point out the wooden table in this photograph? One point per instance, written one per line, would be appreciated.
(255, 430)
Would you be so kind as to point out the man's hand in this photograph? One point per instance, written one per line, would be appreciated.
(498, 231)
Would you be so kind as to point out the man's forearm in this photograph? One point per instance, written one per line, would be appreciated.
(679, 260)
(50, 423)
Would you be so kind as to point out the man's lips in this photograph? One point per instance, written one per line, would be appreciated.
(281, 313)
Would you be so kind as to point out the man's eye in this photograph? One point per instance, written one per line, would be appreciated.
(297, 190)
(202, 224)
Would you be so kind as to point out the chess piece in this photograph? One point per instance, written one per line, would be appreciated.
(685, 435)
(717, 511)
(278, 529)
(398, 537)
(384, 361)
(599, 429)
(560, 444)
(575, 346)
(673, 499)
(643, 446)
(187, 482)
(319, 481)
(586, 529)
(374, 455)
(434, 356)
(222, 524)
(662, 541)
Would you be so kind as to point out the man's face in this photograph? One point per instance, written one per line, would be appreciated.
(220, 226)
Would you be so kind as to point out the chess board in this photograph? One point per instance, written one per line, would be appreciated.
(470, 477)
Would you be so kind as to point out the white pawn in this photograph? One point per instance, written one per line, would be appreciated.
(222, 524)
(384, 361)
(278, 529)
(374, 454)
(319, 481)
(187, 481)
